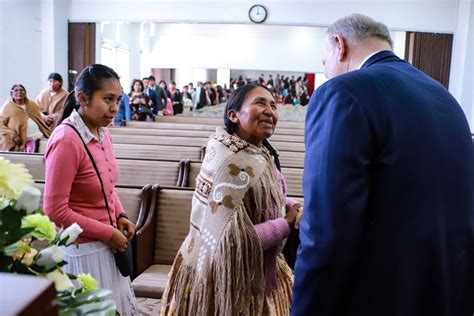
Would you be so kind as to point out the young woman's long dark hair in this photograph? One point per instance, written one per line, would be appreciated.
(90, 80)
(235, 102)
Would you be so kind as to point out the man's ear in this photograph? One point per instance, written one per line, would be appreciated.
(232, 115)
(341, 45)
(82, 98)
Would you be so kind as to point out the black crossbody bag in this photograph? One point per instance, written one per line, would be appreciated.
(123, 260)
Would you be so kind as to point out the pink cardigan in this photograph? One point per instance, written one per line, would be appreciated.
(271, 234)
(72, 190)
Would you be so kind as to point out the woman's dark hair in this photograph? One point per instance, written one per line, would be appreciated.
(56, 76)
(166, 86)
(90, 80)
(235, 102)
(23, 87)
(133, 83)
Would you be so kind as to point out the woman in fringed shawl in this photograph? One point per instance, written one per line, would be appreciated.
(21, 123)
(230, 263)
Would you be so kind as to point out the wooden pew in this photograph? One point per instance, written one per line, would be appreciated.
(193, 142)
(293, 178)
(133, 172)
(159, 239)
(203, 127)
(188, 133)
(135, 200)
(216, 121)
(169, 152)
(152, 152)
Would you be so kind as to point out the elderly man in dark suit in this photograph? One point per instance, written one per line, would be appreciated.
(388, 227)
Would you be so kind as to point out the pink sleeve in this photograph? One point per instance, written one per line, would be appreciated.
(272, 232)
(62, 163)
(290, 203)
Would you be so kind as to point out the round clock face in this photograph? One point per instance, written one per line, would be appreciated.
(257, 13)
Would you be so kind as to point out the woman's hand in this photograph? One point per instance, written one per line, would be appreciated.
(125, 225)
(292, 215)
(118, 241)
(299, 216)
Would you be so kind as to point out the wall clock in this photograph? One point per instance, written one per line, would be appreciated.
(258, 13)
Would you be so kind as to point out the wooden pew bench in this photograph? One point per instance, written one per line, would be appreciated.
(192, 142)
(136, 201)
(204, 127)
(133, 172)
(189, 133)
(159, 239)
(217, 121)
(152, 152)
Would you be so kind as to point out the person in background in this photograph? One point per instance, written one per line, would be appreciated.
(51, 100)
(151, 93)
(164, 86)
(124, 112)
(176, 99)
(230, 263)
(73, 192)
(388, 177)
(140, 103)
(186, 99)
(21, 124)
(161, 96)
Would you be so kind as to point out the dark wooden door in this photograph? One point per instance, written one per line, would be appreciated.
(431, 53)
(81, 48)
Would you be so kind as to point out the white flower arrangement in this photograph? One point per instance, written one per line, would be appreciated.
(21, 223)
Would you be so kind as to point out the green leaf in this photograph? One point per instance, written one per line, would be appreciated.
(71, 276)
(104, 308)
(11, 219)
(87, 297)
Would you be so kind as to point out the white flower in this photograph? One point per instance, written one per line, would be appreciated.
(71, 232)
(50, 257)
(60, 279)
(13, 178)
(29, 199)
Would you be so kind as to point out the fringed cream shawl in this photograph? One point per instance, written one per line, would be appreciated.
(219, 267)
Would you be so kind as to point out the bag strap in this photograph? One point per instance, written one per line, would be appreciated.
(96, 170)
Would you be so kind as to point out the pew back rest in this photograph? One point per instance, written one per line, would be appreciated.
(203, 127)
(157, 152)
(172, 223)
(217, 121)
(192, 141)
(132, 172)
(140, 172)
(189, 133)
(134, 200)
(291, 159)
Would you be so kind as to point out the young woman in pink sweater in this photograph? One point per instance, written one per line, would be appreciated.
(73, 191)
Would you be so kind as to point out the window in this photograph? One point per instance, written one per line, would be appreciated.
(119, 60)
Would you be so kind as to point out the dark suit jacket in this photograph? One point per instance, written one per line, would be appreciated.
(388, 227)
(152, 94)
(202, 99)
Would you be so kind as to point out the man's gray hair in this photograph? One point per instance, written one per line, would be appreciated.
(357, 27)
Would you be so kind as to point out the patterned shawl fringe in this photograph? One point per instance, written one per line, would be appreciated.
(233, 282)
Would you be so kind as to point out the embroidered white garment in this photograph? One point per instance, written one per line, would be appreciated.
(86, 135)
